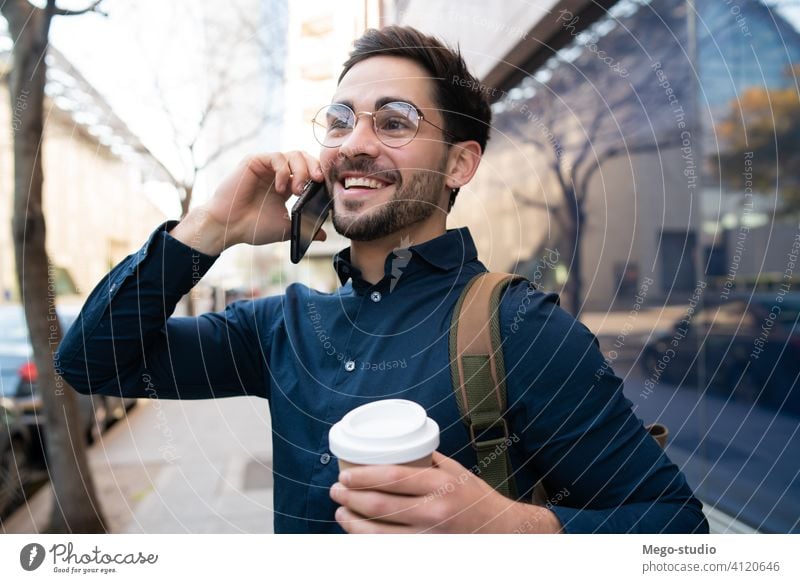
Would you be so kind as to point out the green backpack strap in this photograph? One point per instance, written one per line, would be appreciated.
(478, 375)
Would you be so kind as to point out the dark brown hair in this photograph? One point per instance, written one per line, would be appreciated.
(457, 93)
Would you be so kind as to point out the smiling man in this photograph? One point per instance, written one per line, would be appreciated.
(405, 130)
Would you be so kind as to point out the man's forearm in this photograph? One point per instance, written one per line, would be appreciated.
(126, 313)
(202, 233)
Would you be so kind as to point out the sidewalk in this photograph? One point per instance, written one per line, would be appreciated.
(179, 467)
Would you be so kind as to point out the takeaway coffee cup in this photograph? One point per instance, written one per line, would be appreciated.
(392, 431)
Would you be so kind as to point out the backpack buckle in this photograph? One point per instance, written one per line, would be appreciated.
(492, 434)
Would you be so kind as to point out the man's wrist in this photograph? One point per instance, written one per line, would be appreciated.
(531, 519)
(202, 233)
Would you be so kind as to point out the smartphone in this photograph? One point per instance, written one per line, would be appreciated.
(308, 215)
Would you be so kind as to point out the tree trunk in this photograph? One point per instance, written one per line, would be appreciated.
(572, 228)
(186, 202)
(76, 509)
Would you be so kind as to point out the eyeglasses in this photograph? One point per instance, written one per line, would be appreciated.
(395, 123)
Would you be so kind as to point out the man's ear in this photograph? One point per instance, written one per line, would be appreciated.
(462, 163)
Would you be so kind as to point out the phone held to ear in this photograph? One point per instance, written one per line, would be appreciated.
(308, 215)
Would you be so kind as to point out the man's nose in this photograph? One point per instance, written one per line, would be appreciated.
(362, 140)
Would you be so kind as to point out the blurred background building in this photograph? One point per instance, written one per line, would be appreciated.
(96, 206)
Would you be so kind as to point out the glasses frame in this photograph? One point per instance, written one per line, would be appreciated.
(356, 115)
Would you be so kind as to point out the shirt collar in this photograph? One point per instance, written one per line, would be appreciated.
(444, 253)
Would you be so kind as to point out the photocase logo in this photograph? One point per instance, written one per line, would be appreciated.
(31, 556)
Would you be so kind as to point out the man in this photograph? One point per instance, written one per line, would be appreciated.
(406, 130)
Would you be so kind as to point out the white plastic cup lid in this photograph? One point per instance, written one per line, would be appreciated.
(392, 431)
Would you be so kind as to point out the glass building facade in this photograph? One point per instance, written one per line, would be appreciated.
(649, 171)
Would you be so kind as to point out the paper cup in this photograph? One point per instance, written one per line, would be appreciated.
(392, 431)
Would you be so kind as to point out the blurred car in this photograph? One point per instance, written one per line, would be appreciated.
(18, 381)
(14, 466)
(745, 347)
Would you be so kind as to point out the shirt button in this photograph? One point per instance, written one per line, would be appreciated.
(325, 458)
(349, 366)
(375, 296)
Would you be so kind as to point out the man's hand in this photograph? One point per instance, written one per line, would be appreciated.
(446, 498)
(249, 206)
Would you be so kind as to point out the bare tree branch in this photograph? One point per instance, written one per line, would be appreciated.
(534, 203)
(233, 143)
(588, 145)
(55, 11)
(627, 151)
(160, 164)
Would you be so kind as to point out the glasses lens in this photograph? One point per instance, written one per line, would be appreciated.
(396, 123)
(333, 123)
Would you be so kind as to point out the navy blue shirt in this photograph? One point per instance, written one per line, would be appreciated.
(316, 356)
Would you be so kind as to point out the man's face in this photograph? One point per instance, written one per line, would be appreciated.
(410, 180)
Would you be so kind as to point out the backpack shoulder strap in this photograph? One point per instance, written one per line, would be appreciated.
(478, 375)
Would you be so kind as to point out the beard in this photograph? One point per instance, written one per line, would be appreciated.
(411, 203)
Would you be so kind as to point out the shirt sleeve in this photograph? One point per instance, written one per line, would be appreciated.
(579, 431)
(124, 342)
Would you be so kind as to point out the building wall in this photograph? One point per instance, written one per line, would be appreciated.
(485, 31)
(507, 232)
(320, 36)
(95, 209)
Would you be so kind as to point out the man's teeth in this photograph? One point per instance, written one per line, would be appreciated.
(353, 181)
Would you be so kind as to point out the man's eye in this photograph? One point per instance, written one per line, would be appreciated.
(339, 127)
(394, 124)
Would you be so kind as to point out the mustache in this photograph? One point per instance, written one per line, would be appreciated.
(366, 167)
